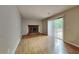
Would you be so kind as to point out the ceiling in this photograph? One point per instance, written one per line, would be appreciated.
(39, 12)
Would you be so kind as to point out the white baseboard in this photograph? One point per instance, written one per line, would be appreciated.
(17, 44)
(72, 44)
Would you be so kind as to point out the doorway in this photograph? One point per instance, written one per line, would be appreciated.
(55, 28)
(55, 34)
(58, 27)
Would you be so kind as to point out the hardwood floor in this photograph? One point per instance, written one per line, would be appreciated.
(34, 44)
(38, 44)
(72, 49)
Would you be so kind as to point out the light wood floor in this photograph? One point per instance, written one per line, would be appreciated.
(33, 44)
(38, 44)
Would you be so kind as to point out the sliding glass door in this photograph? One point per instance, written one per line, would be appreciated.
(58, 27)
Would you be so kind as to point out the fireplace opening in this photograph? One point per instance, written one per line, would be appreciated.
(33, 28)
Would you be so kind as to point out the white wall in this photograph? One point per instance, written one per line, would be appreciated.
(45, 26)
(25, 24)
(9, 29)
(71, 21)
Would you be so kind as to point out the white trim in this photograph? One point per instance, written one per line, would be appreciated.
(72, 44)
(17, 45)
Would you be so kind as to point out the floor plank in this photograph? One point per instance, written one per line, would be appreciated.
(38, 44)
